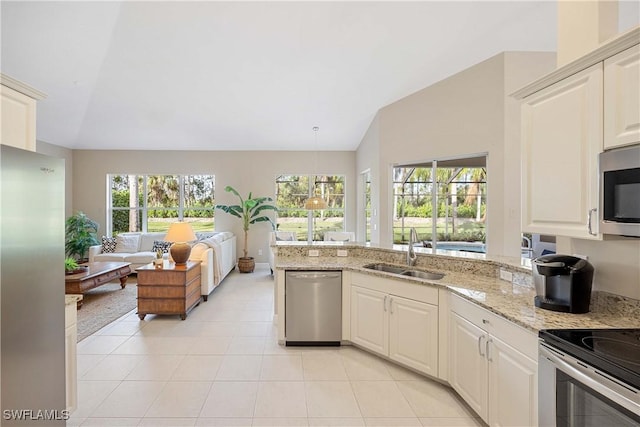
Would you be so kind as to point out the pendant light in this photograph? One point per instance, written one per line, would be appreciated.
(315, 202)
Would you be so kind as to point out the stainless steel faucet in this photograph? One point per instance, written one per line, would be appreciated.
(411, 255)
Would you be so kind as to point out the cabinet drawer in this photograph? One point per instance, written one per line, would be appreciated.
(414, 291)
(160, 291)
(516, 336)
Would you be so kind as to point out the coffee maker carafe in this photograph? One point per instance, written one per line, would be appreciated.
(563, 283)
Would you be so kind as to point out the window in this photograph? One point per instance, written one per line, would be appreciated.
(153, 202)
(291, 193)
(366, 183)
(458, 195)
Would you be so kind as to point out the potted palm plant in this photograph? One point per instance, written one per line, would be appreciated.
(80, 234)
(250, 210)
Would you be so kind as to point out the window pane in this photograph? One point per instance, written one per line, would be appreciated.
(121, 221)
(163, 191)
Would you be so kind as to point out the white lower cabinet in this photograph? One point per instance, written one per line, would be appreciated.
(70, 357)
(494, 378)
(403, 329)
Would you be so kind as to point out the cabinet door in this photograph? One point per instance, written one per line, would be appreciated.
(513, 386)
(468, 373)
(622, 98)
(413, 334)
(561, 140)
(369, 319)
(18, 119)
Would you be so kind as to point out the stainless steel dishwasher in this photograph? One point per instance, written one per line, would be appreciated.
(313, 307)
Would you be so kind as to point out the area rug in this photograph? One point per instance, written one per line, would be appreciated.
(105, 304)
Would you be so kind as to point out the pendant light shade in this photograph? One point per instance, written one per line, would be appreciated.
(315, 203)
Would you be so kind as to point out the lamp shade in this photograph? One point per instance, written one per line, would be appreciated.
(180, 233)
(315, 203)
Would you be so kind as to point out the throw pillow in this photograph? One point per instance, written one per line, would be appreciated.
(286, 238)
(127, 243)
(161, 245)
(108, 245)
(331, 239)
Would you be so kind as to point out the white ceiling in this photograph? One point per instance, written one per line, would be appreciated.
(246, 75)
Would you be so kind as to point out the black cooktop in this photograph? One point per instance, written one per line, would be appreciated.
(612, 351)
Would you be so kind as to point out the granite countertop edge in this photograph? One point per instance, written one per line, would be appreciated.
(511, 301)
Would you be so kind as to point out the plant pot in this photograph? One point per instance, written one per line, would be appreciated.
(246, 264)
(81, 269)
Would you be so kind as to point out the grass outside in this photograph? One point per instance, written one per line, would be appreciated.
(198, 224)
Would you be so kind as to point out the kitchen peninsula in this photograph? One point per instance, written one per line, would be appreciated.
(470, 329)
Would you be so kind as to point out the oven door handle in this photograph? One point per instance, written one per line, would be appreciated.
(621, 394)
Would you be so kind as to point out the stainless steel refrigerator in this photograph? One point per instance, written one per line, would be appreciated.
(32, 346)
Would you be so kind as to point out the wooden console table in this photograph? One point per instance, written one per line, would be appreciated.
(172, 289)
(97, 274)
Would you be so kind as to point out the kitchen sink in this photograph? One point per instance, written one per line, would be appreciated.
(386, 268)
(423, 274)
(403, 271)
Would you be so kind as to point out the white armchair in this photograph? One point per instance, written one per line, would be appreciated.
(339, 236)
(276, 236)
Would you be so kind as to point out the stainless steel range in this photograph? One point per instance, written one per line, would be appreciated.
(589, 377)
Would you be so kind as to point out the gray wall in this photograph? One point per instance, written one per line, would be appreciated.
(246, 171)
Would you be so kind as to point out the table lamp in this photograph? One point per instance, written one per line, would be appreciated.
(180, 233)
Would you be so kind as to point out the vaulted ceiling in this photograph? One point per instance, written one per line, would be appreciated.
(246, 75)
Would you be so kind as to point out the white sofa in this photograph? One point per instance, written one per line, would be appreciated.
(339, 236)
(215, 250)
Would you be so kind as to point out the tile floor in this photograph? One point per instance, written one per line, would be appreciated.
(222, 366)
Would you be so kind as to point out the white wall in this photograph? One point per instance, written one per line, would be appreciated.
(368, 159)
(246, 171)
(459, 116)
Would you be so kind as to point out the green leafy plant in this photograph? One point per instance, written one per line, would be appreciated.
(80, 234)
(70, 264)
(250, 210)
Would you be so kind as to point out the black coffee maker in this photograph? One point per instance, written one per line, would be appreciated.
(563, 283)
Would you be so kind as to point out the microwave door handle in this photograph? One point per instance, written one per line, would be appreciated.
(589, 216)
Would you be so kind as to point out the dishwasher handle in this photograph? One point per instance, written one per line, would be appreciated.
(314, 275)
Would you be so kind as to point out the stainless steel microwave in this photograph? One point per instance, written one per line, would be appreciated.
(620, 191)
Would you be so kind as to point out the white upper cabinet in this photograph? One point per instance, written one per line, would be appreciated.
(18, 117)
(622, 99)
(561, 140)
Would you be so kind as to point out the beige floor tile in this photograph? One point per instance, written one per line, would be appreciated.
(331, 399)
(230, 399)
(452, 422)
(90, 395)
(271, 346)
(281, 400)
(197, 368)
(167, 422)
(121, 328)
(431, 399)
(155, 367)
(400, 373)
(323, 366)
(108, 422)
(280, 422)
(130, 399)
(251, 315)
(170, 328)
(360, 366)
(381, 399)
(156, 345)
(223, 315)
(86, 362)
(253, 329)
(281, 368)
(113, 367)
(180, 399)
(218, 329)
(336, 422)
(246, 345)
(240, 367)
(100, 344)
(393, 422)
(224, 422)
(211, 345)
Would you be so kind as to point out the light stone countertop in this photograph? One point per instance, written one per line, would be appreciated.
(509, 300)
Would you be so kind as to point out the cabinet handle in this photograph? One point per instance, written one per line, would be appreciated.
(391, 305)
(591, 211)
(384, 303)
(480, 345)
(489, 358)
